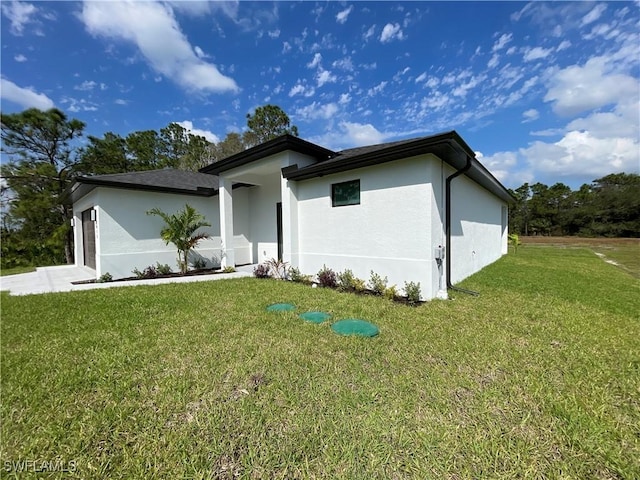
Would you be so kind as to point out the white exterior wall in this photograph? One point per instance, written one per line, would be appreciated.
(478, 228)
(389, 232)
(262, 218)
(128, 238)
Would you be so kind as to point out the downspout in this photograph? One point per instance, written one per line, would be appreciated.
(448, 227)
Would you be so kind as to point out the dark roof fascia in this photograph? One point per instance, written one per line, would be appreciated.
(448, 146)
(272, 147)
(83, 185)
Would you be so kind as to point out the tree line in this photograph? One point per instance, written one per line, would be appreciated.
(45, 153)
(607, 207)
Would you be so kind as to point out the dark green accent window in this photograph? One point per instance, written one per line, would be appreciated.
(345, 193)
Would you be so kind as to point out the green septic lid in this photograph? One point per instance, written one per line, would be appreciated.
(352, 326)
(315, 317)
(280, 307)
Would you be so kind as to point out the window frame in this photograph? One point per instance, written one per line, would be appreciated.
(348, 203)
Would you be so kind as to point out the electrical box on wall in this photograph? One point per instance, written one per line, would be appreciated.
(438, 252)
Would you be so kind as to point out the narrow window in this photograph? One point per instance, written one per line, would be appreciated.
(345, 193)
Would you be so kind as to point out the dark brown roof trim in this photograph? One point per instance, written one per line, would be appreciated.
(277, 145)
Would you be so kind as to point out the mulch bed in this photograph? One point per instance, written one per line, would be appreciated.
(190, 273)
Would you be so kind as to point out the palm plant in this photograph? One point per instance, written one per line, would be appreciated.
(180, 229)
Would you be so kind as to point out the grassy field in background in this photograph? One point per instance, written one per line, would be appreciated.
(16, 270)
(538, 377)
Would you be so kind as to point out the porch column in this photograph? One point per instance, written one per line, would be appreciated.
(226, 223)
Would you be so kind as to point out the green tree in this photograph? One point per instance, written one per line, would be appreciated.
(144, 148)
(180, 229)
(231, 145)
(104, 155)
(267, 122)
(40, 147)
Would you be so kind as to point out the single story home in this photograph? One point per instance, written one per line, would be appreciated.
(422, 210)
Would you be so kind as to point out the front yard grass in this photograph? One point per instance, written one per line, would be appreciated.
(538, 377)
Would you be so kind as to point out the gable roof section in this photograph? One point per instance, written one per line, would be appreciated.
(166, 180)
(271, 147)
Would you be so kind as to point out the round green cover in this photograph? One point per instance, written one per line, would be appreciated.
(280, 307)
(315, 317)
(352, 326)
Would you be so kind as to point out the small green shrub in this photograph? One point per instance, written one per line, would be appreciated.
(228, 269)
(346, 280)
(262, 271)
(327, 278)
(295, 276)
(390, 292)
(377, 284)
(105, 277)
(359, 285)
(514, 241)
(149, 272)
(199, 263)
(163, 269)
(412, 290)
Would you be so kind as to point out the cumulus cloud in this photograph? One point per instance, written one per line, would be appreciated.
(576, 89)
(26, 97)
(501, 164)
(536, 53)
(19, 14)
(342, 16)
(391, 32)
(325, 76)
(159, 40)
(530, 115)
(317, 58)
(20, 58)
(317, 111)
(502, 42)
(86, 86)
(369, 33)
(188, 126)
(358, 134)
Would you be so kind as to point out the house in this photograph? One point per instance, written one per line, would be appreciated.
(422, 210)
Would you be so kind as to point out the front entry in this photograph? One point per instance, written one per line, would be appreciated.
(279, 228)
(88, 239)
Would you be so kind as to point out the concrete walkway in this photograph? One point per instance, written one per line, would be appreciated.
(59, 278)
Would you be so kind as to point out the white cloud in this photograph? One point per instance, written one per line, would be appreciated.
(20, 14)
(530, 115)
(536, 53)
(344, 99)
(500, 164)
(318, 111)
(200, 53)
(159, 40)
(563, 45)
(317, 58)
(502, 42)
(74, 105)
(359, 134)
(493, 61)
(20, 58)
(577, 88)
(286, 47)
(391, 32)
(377, 89)
(300, 89)
(421, 78)
(86, 86)
(325, 76)
(274, 33)
(121, 101)
(342, 16)
(188, 125)
(26, 97)
(593, 15)
(579, 154)
(369, 33)
(343, 64)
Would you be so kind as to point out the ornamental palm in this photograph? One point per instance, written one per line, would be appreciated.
(180, 230)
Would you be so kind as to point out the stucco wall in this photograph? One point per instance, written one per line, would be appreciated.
(389, 232)
(128, 238)
(478, 228)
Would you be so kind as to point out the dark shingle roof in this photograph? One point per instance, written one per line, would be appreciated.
(166, 180)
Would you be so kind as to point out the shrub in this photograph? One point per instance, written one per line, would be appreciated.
(228, 269)
(359, 285)
(412, 290)
(377, 284)
(163, 269)
(327, 278)
(346, 280)
(199, 263)
(261, 271)
(105, 277)
(295, 276)
(278, 268)
(149, 272)
(390, 292)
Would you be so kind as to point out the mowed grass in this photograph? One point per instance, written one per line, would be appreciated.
(15, 270)
(538, 377)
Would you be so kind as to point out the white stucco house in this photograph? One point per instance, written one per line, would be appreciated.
(422, 210)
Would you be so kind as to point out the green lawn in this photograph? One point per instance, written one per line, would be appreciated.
(538, 377)
(16, 270)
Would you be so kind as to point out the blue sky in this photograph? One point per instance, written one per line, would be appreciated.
(543, 92)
